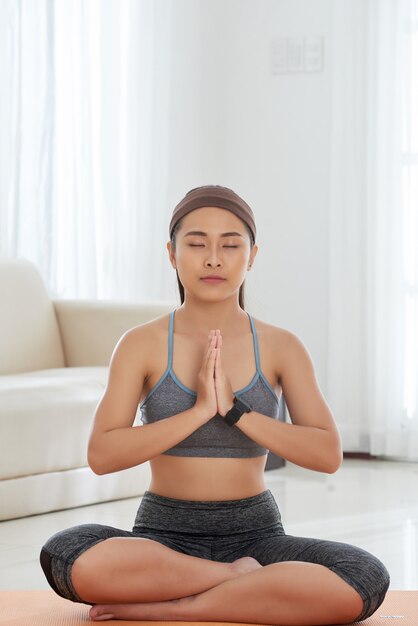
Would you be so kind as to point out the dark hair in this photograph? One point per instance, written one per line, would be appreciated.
(180, 286)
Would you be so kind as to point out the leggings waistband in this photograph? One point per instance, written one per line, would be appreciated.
(264, 496)
(214, 517)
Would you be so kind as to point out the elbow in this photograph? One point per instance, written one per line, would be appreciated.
(96, 468)
(333, 462)
(96, 463)
(334, 455)
(102, 462)
(99, 471)
(99, 456)
(332, 468)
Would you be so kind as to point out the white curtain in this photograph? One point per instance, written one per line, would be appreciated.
(84, 112)
(373, 330)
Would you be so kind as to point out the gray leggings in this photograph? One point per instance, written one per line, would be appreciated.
(220, 531)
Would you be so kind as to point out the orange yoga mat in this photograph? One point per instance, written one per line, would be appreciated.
(45, 608)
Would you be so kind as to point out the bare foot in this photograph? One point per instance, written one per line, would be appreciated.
(135, 611)
(160, 610)
(245, 564)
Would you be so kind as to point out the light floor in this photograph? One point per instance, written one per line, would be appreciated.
(372, 504)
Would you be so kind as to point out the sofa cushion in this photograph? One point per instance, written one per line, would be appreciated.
(46, 417)
(29, 333)
(40, 493)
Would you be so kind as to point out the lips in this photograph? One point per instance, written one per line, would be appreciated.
(213, 279)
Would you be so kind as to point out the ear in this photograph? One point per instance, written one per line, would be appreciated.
(171, 255)
(252, 255)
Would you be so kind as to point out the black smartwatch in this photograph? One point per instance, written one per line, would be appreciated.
(236, 412)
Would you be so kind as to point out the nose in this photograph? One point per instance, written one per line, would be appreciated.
(213, 259)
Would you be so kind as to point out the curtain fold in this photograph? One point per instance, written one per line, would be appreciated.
(83, 159)
(373, 374)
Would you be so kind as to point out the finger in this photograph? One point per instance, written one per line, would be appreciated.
(218, 364)
(210, 363)
(211, 343)
(218, 354)
(212, 360)
(207, 355)
(209, 360)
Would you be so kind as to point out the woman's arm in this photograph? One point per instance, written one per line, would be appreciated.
(312, 439)
(116, 444)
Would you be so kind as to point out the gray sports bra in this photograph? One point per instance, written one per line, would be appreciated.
(215, 438)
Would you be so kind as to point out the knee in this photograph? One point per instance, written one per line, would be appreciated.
(59, 553)
(378, 585)
(83, 573)
(46, 565)
(371, 585)
(88, 568)
(350, 607)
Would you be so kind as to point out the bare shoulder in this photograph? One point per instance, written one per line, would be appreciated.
(279, 337)
(295, 371)
(137, 345)
(283, 346)
(147, 331)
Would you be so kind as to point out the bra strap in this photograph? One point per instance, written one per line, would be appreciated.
(170, 340)
(255, 339)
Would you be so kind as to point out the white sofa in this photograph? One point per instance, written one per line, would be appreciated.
(54, 357)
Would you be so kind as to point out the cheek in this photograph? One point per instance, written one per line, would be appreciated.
(242, 258)
(186, 260)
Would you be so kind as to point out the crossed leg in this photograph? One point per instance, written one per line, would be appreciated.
(274, 580)
(142, 579)
(138, 570)
(281, 593)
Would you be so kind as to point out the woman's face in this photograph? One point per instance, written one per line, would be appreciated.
(212, 241)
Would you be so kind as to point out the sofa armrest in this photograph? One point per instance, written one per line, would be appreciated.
(90, 329)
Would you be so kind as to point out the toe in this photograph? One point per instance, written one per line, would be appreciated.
(100, 613)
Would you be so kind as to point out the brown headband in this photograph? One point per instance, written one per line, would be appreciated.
(216, 196)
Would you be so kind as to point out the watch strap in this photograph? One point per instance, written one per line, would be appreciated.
(236, 412)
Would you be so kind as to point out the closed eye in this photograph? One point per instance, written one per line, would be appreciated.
(200, 245)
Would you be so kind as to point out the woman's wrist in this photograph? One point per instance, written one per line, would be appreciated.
(200, 414)
(237, 410)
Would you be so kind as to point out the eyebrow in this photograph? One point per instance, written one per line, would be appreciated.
(200, 233)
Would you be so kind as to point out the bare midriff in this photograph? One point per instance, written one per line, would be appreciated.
(197, 478)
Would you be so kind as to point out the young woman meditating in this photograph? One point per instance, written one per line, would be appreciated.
(207, 542)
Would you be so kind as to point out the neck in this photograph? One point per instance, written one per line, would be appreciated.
(201, 317)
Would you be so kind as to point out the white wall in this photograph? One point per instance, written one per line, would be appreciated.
(267, 136)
